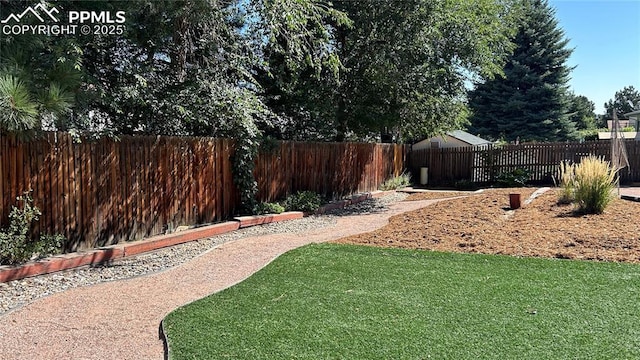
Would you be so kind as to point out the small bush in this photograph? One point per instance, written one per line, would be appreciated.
(565, 179)
(15, 245)
(515, 178)
(397, 182)
(306, 201)
(269, 208)
(594, 185)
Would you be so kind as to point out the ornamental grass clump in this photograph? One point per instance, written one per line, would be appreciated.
(566, 177)
(594, 184)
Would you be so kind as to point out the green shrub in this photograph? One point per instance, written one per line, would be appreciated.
(396, 182)
(269, 208)
(306, 201)
(566, 180)
(516, 178)
(594, 185)
(15, 245)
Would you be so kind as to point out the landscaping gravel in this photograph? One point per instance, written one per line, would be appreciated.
(20, 292)
(370, 206)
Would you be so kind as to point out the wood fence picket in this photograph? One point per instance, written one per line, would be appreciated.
(484, 164)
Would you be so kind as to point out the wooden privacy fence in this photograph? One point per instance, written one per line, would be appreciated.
(97, 193)
(484, 164)
(331, 169)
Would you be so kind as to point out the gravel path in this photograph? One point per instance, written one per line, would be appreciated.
(17, 293)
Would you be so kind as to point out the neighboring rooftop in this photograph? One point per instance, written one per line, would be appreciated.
(633, 113)
(606, 135)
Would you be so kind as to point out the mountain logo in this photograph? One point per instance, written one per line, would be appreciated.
(36, 12)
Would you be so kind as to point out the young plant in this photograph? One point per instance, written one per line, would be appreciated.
(306, 201)
(397, 182)
(15, 244)
(515, 178)
(269, 208)
(594, 185)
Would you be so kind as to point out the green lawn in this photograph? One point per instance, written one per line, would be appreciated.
(348, 302)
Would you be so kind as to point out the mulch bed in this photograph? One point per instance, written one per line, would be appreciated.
(431, 195)
(484, 223)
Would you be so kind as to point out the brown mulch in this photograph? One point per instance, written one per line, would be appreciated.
(431, 195)
(483, 223)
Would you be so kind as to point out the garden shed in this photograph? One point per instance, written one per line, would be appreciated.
(633, 118)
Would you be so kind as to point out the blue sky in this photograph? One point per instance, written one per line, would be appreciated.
(605, 36)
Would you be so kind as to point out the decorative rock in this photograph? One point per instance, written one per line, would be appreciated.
(535, 194)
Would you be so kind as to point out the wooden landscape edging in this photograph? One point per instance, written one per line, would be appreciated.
(120, 251)
(246, 221)
(111, 253)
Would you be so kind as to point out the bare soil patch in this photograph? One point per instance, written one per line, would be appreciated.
(483, 223)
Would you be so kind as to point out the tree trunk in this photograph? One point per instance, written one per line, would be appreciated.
(179, 56)
(341, 119)
(341, 111)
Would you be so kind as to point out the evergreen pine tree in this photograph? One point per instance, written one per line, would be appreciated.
(530, 102)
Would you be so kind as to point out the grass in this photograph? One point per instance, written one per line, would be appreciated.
(351, 302)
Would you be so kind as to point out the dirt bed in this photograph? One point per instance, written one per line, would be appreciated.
(483, 223)
(431, 195)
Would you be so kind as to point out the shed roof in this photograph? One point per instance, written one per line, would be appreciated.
(468, 138)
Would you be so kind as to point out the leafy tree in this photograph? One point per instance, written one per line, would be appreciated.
(183, 67)
(625, 101)
(403, 66)
(304, 68)
(356, 68)
(581, 112)
(154, 79)
(529, 102)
